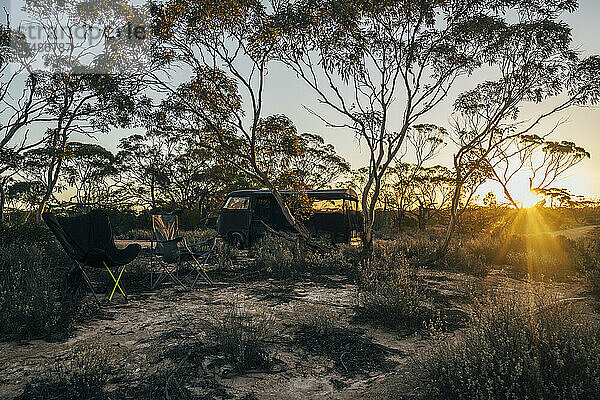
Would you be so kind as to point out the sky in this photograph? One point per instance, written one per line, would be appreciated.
(285, 94)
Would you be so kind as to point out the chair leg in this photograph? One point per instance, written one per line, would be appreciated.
(116, 282)
(88, 282)
(174, 277)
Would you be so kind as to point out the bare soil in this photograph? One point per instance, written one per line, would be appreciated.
(161, 343)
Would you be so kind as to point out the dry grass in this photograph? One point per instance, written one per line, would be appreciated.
(82, 375)
(518, 345)
(391, 292)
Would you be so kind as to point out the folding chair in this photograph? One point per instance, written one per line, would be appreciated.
(167, 256)
(88, 240)
(202, 251)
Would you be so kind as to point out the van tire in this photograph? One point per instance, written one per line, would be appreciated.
(236, 240)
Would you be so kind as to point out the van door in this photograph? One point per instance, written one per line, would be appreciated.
(261, 214)
(234, 218)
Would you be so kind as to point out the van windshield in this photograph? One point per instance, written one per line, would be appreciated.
(237, 203)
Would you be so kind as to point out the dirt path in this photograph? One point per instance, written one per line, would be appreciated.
(576, 233)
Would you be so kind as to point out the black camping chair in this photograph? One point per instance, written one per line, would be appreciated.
(168, 256)
(88, 240)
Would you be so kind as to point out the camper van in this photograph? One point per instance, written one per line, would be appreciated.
(247, 215)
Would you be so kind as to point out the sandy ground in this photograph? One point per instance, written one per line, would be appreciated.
(154, 320)
(169, 319)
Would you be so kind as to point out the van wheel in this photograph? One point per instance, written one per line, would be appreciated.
(236, 240)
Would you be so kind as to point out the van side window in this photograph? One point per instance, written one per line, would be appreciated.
(333, 205)
(237, 203)
(263, 202)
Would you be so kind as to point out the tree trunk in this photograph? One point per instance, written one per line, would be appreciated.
(298, 226)
(367, 236)
(152, 197)
(53, 174)
(2, 201)
(452, 224)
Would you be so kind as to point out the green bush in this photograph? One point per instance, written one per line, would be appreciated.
(518, 346)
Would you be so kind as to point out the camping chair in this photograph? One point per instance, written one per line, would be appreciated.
(202, 251)
(89, 241)
(167, 256)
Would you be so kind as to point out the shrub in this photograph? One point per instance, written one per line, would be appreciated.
(82, 375)
(391, 292)
(240, 335)
(518, 346)
(136, 234)
(285, 259)
(225, 256)
(25, 234)
(589, 260)
(319, 320)
(35, 300)
(199, 235)
(471, 256)
(276, 256)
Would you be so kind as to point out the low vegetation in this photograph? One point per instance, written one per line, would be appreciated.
(40, 294)
(284, 259)
(518, 345)
(390, 292)
(82, 375)
(240, 335)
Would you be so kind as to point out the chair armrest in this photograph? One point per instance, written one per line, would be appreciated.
(206, 245)
(175, 239)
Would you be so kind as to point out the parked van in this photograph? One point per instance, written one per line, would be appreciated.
(247, 215)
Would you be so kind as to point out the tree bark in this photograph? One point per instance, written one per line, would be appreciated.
(2, 201)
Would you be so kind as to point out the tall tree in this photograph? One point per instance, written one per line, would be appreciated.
(226, 51)
(78, 81)
(88, 169)
(370, 61)
(535, 63)
(543, 162)
(19, 105)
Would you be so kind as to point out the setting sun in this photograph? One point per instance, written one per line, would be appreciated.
(528, 198)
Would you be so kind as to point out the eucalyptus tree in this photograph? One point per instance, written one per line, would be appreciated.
(535, 63)
(19, 105)
(223, 50)
(431, 193)
(143, 162)
(88, 170)
(318, 165)
(379, 67)
(82, 80)
(543, 162)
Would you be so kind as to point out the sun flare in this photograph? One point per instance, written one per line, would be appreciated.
(529, 199)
